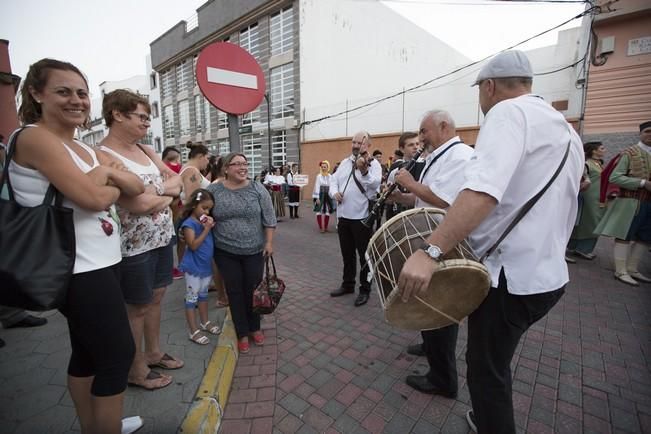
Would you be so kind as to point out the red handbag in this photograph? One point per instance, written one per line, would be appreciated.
(268, 293)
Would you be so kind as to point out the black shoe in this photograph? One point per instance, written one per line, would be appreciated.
(470, 418)
(416, 350)
(2, 343)
(29, 321)
(422, 384)
(341, 291)
(361, 299)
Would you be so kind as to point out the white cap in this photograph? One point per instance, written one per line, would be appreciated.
(512, 63)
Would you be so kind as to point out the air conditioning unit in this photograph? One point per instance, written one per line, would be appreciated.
(607, 45)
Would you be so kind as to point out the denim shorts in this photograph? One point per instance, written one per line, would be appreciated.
(143, 273)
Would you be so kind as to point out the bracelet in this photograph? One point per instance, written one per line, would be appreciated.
(160, 189)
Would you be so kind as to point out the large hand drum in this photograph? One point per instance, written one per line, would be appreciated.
(456, 289)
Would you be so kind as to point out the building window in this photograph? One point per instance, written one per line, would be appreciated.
(251, 117)
(166, 80)
(224, 147)
(153, 82)
(249, 40)
(155, 112)
(194, 70)
(282, 91)
(181, 76)
(279, 148)
(222, 120)
(184, 118)
(282, 31)
(168, 122)
(198, 113)
(252, 149)
(206, 117)
(158, 145)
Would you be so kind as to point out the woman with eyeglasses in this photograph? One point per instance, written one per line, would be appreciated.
(146, 233)
(243, 235)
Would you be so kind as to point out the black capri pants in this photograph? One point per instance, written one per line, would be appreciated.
(100, 335)
(241, 274)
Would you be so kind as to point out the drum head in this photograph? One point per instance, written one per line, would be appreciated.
(455, 291)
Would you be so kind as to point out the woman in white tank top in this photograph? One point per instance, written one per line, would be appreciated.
(191, 171)
(54, 102)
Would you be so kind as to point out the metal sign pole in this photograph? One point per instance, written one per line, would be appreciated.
(234, 133)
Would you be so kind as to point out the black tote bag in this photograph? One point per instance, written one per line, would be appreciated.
(37, 248)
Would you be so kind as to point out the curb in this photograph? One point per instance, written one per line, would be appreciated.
(207, 409)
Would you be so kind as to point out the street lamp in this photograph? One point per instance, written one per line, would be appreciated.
(266, 97)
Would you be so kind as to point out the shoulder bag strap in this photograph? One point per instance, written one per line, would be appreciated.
(11, 149)
(52, 194)
(530, 203)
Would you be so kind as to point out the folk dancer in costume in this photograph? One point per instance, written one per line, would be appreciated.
(356, 181)
(438, 185)
(521, 144)
(628, 219)
(274, 182)
(583, 240)
(294, 193)
(323, 203)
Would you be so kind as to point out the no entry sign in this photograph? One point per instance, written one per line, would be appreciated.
(230, 78)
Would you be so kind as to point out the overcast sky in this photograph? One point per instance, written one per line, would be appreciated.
(108, 40)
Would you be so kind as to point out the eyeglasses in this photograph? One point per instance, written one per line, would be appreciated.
(143, 117)
(240, 164)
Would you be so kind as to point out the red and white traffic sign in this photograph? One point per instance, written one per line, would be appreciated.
(230, 78)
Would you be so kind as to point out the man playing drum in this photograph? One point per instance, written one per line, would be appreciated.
(520, 145)
(438, 185)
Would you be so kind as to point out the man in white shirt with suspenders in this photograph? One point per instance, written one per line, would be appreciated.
(522, 143)
(355, 182)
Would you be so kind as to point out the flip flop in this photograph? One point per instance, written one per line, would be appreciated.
(167, 362)
(153, 376)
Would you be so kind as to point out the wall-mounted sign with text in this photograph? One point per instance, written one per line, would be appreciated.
(639, 46)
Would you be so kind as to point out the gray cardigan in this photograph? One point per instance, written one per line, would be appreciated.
(241, 217)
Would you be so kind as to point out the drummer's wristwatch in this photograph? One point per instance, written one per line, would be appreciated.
(433, 251)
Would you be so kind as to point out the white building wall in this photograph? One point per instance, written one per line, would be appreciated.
(560, 85)
(353, 53)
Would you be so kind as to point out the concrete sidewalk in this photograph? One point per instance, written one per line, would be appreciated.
(33, 393)
(327, 366)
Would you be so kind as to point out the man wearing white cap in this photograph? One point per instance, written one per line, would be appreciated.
(522, 144)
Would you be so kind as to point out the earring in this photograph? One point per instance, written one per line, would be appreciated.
(38, 102)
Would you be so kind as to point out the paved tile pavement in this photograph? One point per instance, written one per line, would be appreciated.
(329, 367)
(33, 394)
(583, 368)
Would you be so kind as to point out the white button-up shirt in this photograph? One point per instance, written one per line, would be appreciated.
(446, 175)
(520, 145)
(354, 205)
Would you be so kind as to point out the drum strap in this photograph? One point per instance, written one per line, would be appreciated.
(527, 206)
(431, 163)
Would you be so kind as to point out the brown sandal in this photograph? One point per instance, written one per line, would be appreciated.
(154, 380)
(167, 362)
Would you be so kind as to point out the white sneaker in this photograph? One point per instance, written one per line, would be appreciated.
(131, 424)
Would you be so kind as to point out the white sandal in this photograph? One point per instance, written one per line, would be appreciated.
(212, 329)
(201, 339)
